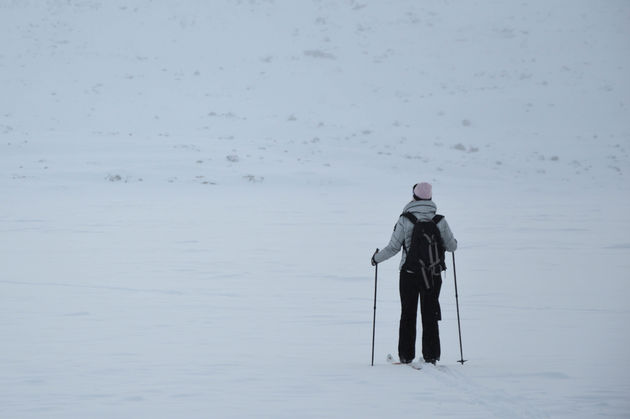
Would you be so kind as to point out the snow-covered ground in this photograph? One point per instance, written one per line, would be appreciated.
(191, 193)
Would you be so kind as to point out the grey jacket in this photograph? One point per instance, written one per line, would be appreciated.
(424, 211)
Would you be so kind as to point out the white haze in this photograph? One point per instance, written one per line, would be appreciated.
(190, 193)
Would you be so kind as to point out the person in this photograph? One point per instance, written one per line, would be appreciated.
(412, 285)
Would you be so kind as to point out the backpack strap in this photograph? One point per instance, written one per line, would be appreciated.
(410, 217)
(436, 219)
(441, 250)
(413, 220)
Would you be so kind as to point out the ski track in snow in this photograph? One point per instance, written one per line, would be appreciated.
(188, 210)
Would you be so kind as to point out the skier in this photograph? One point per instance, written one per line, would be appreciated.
(413, 285)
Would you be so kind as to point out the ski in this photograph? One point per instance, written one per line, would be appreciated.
(414, 365)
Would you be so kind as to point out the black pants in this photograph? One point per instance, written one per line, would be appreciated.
(412, 287)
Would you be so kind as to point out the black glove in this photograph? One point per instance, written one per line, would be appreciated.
(374, 263)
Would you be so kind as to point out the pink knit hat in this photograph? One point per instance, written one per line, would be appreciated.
(422, 190)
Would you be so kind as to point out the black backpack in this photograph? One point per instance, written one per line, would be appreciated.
(425, 256)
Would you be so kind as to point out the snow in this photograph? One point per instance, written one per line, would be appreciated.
(191, 192)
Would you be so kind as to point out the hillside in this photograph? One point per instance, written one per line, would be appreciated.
(193, 190)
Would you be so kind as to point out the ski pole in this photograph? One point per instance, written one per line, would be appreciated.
(459, 327)
(374, 318)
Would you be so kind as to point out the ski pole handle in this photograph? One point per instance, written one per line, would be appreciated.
(374, 263)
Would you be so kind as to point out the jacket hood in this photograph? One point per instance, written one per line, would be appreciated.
(424, 209)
